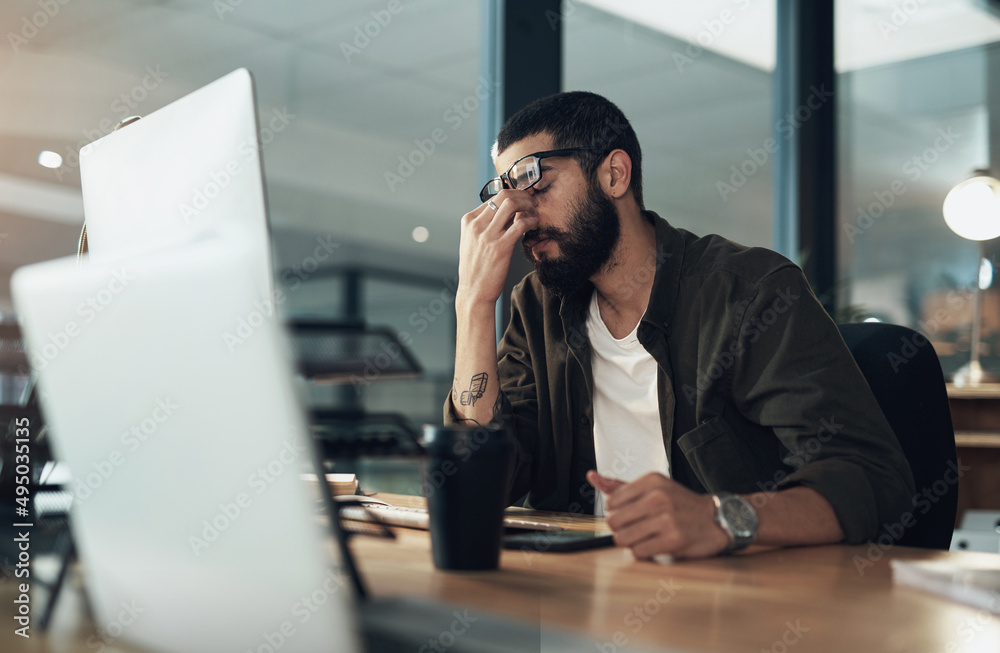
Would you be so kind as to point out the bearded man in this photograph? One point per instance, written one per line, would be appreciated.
(696, 383)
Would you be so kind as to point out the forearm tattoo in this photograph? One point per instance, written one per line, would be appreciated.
(497, 405)
(477, 387)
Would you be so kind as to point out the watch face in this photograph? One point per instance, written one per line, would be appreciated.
(740, 517)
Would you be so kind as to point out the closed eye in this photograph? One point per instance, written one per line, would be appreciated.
(543, 169)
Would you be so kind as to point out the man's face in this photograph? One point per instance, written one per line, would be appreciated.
(578, 225)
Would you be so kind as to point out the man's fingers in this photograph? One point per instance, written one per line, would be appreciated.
(636, 490)
(646, 507)
(637, 531)
(520, 226)
(661, 543)
(603, 483)
(508, 206)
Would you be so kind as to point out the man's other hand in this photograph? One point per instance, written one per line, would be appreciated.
(656, 515)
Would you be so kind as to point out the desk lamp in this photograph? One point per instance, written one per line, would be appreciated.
(972, 210)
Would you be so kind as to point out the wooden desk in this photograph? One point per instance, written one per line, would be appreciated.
(746, 602)
(788, 600)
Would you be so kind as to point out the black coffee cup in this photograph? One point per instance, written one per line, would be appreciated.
(465, 480)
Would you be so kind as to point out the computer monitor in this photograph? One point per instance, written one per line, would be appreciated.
(184, 172)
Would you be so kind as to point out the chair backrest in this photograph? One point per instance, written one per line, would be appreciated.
(905, 376)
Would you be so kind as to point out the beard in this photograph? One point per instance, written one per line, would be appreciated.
(584, 250)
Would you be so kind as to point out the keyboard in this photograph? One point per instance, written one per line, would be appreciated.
(418, 518)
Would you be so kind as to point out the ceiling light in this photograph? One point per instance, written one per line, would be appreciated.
(49, 159)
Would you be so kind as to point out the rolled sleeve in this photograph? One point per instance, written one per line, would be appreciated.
(798, 377)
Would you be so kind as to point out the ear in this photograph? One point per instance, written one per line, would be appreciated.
(616, 174)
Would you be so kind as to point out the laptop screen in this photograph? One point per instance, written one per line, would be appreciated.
(186, 454)
(186, 170)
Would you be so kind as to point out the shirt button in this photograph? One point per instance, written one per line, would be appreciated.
(584, 421)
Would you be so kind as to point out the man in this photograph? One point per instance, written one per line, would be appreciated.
(697, 384)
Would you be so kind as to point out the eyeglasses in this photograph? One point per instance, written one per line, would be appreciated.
(525, 172)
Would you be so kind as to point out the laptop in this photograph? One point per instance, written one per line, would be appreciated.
(190, 168)
(190, 513)
(185, 453)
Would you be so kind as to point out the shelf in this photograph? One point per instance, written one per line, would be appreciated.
(984, 391)
(981, 439)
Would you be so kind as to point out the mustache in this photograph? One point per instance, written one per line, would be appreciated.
(531, 238)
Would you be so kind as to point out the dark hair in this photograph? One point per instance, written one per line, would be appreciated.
(578, 119)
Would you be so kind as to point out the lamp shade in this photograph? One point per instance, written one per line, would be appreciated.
(972, 208)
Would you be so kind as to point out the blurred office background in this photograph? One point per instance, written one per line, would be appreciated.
(357, 88)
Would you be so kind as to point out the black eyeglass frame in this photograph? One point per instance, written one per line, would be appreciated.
(504, 179)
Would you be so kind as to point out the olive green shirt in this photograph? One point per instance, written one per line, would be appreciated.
(757, 390)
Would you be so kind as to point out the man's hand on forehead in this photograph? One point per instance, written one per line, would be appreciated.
(490, 232)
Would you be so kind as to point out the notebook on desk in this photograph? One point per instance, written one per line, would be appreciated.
(192, 454)
(372, 509)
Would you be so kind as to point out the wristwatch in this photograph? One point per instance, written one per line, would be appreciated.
(737, 518)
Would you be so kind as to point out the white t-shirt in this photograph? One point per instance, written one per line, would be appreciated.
(628, 440)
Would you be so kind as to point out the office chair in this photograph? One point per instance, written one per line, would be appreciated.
(905, 376)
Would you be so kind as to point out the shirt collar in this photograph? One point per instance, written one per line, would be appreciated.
(659, 312)
(669, 259)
